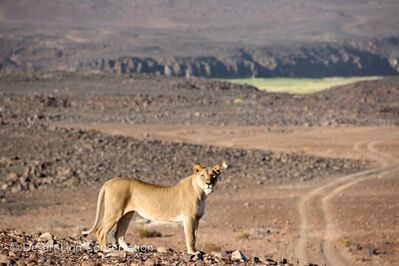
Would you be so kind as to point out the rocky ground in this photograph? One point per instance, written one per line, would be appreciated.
(36, 153)
(19, 248)
(70, 157)
(105, 98)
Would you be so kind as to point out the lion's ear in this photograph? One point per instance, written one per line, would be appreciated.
(197, 168)
(220, 167)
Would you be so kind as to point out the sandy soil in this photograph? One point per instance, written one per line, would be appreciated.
(323, 141)
(320, 221)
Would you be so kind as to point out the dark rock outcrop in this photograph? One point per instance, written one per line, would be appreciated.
(316, 61)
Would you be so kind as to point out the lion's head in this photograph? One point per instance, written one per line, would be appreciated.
(207, 177)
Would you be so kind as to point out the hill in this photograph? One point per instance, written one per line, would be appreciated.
(224, 38)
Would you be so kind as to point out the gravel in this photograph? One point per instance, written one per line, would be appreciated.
(107, 98)
(41, 156)
(20, 248)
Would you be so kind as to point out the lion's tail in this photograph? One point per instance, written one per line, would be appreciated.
(100, 203)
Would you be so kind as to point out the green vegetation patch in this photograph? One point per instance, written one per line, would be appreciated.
(299, 85)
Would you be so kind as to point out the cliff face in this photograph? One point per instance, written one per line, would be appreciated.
(303, 62)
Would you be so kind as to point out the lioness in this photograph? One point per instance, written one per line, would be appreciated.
(184, 202)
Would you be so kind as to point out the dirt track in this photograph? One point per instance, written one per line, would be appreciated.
(323, 246)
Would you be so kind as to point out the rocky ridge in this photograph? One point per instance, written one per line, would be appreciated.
(316, 61)
(71, 157)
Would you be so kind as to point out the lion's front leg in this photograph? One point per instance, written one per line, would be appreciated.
(189, 232)
(196, 224)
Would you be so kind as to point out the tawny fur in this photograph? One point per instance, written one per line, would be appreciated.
(184, 202)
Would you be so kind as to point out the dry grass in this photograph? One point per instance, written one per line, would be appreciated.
(148, 232)
(93, 130)
(303, 151)
(345, 242)
(242, 235)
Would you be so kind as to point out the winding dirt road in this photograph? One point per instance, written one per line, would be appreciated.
(320, 247)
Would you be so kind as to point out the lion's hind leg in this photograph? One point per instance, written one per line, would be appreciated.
(121, 229)
(103, 231)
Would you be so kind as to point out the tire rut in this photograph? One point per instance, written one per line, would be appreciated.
(325, 252)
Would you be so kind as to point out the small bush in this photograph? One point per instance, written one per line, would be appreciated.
(146, 233)
(243, 235)
(346, 242)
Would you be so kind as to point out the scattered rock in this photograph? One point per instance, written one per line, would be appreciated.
(119, 254)
(12, 177)
(16, 188)
(270, 262)
(32, 258)
(219, 254)
(197, 256)
(87, 256)
(88, 263)
(73, 181)
(354, 247)
(238, 255)
(256, 260)
(163, 249)
(260, 232)
(4, 260)
(45, 237)
(150, 262)
(283, 261)
(372, 251)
